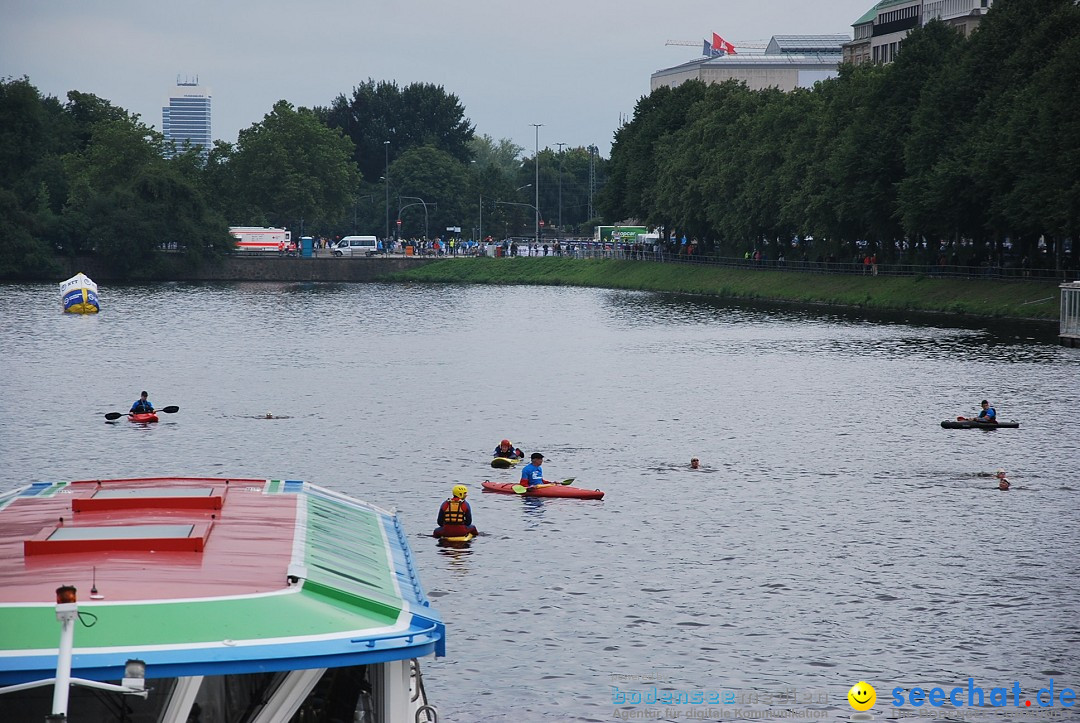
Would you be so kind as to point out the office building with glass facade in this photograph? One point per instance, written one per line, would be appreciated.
(186, 119)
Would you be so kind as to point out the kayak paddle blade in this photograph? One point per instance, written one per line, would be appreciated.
(171, 409)
(519, 489)
(113, 415)
(568, 480)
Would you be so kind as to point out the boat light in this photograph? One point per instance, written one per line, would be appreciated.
(134, 674)
(65, 594)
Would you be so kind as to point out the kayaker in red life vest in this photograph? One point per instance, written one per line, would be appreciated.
(1003, 484)
(507, 451)
(142, 405)
(455, 515)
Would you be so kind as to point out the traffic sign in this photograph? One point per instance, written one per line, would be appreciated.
(399, 222)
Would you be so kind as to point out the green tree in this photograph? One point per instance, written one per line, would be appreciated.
(504, 155)
(420, 114)
(441, 182)
(292, 170)
(630, 191)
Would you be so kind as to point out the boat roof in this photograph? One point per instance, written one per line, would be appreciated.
(206, 576)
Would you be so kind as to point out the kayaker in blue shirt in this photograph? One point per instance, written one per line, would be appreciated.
(142, 405)
(988, 413)
(455, 515)
(532, 473)
(507, 451)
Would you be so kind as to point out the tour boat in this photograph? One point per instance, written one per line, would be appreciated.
(181, 598)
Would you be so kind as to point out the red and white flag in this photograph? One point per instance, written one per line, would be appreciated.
(722, 45)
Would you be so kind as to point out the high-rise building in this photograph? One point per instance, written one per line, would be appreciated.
(186, 120)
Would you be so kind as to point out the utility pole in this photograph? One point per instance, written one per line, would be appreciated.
(592, 179)
(560, 145)
(536, 183)
(386, 183)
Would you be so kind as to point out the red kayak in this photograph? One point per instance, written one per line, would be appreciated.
(545, 491)
(145, 417)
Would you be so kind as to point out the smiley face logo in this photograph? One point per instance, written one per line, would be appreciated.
(862, 696)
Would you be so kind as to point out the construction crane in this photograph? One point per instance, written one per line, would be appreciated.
(753, 45)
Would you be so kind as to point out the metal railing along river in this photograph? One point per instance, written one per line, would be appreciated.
(985, 271)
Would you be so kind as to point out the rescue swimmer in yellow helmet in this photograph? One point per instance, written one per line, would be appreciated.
(455, 515)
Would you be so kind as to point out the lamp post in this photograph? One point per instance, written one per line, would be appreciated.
(419, 202)
(386, 184)
(526, 205)
(536, 187)
(560, 145)
(521, 188)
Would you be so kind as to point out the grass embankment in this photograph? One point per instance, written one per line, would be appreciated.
(994, 298)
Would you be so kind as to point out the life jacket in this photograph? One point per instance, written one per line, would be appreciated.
(454, 512)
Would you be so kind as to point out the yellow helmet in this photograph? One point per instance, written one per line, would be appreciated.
(460, 491)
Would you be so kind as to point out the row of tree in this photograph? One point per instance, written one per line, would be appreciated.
(86, 176)
(969, 141)
(972, 141)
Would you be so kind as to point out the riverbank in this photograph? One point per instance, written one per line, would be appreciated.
(1028, 300)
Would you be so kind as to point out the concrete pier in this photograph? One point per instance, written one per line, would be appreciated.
(1069, 334)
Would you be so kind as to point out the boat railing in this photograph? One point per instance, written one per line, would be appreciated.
(419, 694)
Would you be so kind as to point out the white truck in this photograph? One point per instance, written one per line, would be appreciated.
(259, 238)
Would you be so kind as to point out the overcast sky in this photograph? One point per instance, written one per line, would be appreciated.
(577, 66)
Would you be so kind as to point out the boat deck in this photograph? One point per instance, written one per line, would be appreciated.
(207, 575)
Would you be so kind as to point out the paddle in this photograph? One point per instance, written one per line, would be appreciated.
(522, 489)
(171, 409)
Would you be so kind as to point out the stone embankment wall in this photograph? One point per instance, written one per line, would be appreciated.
(258, 268)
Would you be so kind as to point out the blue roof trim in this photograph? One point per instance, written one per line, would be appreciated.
(415, 642)
(408, 580)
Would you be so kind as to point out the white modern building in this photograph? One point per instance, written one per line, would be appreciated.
(789, 62)
(880, 32)
(186, 119)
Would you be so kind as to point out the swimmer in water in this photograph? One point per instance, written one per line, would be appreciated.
(694, 463)
(1003, 484)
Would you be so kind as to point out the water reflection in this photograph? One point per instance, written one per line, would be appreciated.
(532, 509)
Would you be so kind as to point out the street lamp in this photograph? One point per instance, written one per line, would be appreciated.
(386, 183)
(419, 202)
(526, 205)
(560, 145)
(536, 188)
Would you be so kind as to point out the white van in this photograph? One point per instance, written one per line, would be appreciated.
(356, 246)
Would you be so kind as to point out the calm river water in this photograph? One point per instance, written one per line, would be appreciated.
(836, 532)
